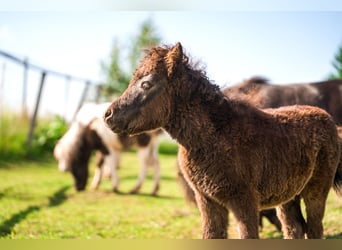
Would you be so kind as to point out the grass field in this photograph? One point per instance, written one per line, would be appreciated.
(38, 202)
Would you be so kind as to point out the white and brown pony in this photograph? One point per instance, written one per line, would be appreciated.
(88, 133)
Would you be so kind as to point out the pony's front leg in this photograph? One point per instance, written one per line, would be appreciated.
(292, 220)
(246, 212)
(98, 170)
(214, 218)
(144, 154)
(113, 161)
(156, 168)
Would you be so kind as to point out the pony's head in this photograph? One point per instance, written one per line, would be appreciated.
(147, 102)
(74, 149)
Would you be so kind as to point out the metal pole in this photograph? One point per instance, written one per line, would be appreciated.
(2, 83)
(98, 93)
(34, 117)
(66, 95)
(23, 107)
(83, 97)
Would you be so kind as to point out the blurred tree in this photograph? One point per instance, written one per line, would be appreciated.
(337, 64)
(117, 77)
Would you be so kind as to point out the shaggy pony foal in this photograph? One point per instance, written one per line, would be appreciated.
(234, 156)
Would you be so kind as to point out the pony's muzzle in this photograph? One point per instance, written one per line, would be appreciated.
(113, 122)
(108, 115)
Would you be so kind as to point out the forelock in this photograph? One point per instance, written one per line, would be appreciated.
(154, 60)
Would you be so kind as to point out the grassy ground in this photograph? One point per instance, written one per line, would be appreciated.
(38, 202)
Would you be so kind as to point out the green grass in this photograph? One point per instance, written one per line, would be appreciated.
(38, 202)
(13, 134)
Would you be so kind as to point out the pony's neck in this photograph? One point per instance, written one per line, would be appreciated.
(195, 108)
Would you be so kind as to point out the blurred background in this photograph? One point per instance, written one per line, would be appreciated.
(52, 62)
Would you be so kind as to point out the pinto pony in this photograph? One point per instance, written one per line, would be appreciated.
(88, 133)
(235, 156)
(257, 90)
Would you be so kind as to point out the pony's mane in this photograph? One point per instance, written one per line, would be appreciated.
(256, 80)
(156, 58)
(200, 82)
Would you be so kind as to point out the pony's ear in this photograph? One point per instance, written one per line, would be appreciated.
(173, 58)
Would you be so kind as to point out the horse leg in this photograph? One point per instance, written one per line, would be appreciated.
(214, 218)
(271, 216)
(143, 154)
(156, 169)
(113, 162)
(98, 170)
(292, 220)
(315, 207)
(317, 189)
(246, 212)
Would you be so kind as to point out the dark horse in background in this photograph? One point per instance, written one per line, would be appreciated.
(258, 91)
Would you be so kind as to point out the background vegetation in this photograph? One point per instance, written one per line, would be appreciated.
(337, 64)
(124, 57)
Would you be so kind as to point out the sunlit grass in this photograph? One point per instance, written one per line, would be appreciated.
(38, 202)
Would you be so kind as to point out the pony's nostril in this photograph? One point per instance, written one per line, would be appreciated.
(108, 114)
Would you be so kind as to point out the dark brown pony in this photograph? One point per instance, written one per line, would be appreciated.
(234, 156)
(326, 95)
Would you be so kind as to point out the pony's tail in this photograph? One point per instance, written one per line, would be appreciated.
(338, 180)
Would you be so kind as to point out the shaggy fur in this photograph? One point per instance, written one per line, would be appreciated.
(88, 133)
(234, 156)
(269, 214)
(326, 95)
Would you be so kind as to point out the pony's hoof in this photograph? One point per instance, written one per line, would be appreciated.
(133, 191)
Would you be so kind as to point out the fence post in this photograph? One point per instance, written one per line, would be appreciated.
(83, 97)
(24, 108)
(66, 96)
(98, 93)
(34, 117)
(2, 83)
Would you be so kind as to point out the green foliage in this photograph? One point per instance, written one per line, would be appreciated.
(117, 74)
(116, 78)
(337, 64)
(146, 37)
(47, 134)
(168, 147)
(14, 131)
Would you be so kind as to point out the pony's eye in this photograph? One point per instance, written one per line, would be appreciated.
(146, 85)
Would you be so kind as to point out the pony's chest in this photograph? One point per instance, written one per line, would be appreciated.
(204, 174)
